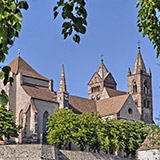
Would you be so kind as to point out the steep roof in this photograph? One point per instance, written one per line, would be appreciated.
(102, 70)
(146, 143)
(111, 106)
(113, 93)
(41, 93)
(19, 65)
(82, 104)
(139, 64)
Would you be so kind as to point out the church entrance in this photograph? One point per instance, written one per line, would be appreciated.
(45, 119)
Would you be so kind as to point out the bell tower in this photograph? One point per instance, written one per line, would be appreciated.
(140, 86)
(100, 79)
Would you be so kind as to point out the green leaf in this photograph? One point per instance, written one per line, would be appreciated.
(76, 38)
(55, 14)
(12, 6)
(19, 16)
(23, 5)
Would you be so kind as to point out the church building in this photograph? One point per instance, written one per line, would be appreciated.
(32, 97)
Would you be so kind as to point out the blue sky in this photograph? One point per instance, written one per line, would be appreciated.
(111, 30)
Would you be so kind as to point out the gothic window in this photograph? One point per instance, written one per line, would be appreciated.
(45, 119)
(134, 87)
(95, 89)
(145, 89)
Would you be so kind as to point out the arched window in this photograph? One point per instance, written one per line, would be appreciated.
(134, 87)
(145, 89)
(45, 119)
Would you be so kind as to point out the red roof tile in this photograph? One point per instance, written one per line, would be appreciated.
(113, 93)
(82, 104)
(41, 93)
(20, 65)
(110, 106)
(145, 145)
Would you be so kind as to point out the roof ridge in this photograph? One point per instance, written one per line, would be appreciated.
(20, 65)
(18, 61)
(115, 97)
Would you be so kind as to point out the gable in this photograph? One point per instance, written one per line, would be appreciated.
(111, 106)
(109, 79)
(19, 65)
(129, 110)
(95, 79)
(105, 94)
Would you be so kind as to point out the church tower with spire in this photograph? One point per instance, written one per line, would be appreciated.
(100, 79)
(62, 94)
(140, 87)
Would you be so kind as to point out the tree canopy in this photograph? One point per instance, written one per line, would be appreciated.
(90, 132)
(8, 127)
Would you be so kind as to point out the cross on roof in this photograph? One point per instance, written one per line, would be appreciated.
(18, 52)
(102, 55)
(139, 43)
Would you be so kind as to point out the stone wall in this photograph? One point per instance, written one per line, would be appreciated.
(79, 155)
(48, 152)
(152, 154)
(27, 152)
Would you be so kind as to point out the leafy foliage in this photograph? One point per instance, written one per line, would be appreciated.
(62, 126)
(154, 135)
(87, 136)
(90, 131)
(8, 128)
(10, 26)
(122, 135)
(149, 21)
(74, 15)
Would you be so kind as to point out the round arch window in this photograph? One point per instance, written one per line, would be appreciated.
(130, 111)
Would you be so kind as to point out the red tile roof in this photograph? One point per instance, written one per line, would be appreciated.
(113, 93)
(111, 106)
(82, 104)
(20, 65)
(147, 143)
(41, 93)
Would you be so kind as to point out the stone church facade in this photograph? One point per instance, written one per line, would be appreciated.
(32, 97)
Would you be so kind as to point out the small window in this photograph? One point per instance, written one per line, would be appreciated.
(134, 87)
(95, 89)
(145, 89)
(130, 111)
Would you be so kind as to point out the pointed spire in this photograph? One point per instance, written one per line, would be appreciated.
(149, 72)
(129, 71)
(102, 70)
(139, 64)
(62, 87)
